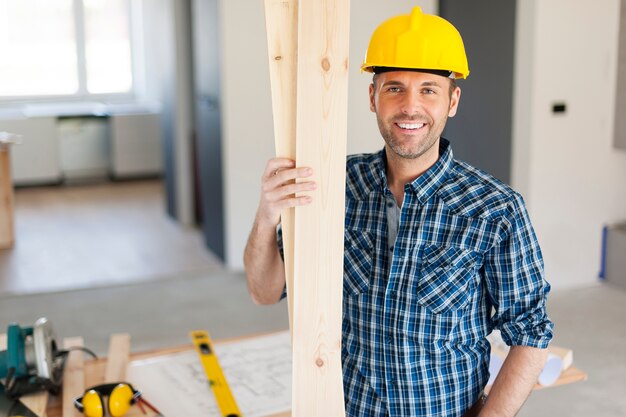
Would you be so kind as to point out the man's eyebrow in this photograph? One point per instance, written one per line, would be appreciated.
(428, 83)
(431, 84)
(392, 82)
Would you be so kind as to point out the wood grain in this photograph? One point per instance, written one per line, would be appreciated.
(119, 354)
(36, 402)
(73, 376)
(323, 32)
(7, 236)
(281, 18)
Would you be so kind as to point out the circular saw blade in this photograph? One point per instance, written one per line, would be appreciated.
(45, 348)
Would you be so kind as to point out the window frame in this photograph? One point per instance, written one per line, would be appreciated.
(82, 95)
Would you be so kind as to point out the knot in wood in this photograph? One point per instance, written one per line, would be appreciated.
(319, 362)
(278, 58)
(325, 64)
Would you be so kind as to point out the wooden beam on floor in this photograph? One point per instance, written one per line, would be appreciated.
(118, 357)
(321, 126)
(73, 376)
(281, 18)
(36, 402)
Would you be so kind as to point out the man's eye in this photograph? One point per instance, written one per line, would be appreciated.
(394, 89)
(428, 91)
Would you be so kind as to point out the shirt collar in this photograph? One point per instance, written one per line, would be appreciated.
(427, 184)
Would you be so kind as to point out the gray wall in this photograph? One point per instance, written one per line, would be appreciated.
(481, 131)
(167, 36)
(208, 129)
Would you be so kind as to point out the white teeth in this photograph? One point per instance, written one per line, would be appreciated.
(410, 125)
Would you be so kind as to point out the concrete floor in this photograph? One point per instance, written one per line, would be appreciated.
(88, 235)
(592, 322)
(160, 314)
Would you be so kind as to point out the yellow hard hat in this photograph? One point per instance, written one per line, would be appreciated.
(417, 41)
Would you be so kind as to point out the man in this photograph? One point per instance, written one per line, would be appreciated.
(437, 253)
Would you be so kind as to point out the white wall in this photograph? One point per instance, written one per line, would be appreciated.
(36, 159)
(247, 112)
(136, 144)
(571, 176)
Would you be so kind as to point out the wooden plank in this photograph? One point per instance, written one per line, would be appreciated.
(281, 18)
(119, 354)
(3, 341)
(566, 355)
(569, 376)
(73, 376)
(321, 126)
(6, 199)
(36, 402)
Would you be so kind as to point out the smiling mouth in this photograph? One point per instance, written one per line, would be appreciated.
(410, 126)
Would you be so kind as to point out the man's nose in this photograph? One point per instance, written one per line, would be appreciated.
(412, 103)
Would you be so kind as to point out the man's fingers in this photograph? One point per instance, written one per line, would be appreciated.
(298, 187)
(279, 188)
(281, 177)
(283, 169)
(294, 201)
(277, 193)
(271, 210)
(277, 164)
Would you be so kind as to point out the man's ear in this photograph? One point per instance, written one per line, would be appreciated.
(455, 97)
(372, 102)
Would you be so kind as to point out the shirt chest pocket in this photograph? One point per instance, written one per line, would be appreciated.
(447, 278)
(357, 261)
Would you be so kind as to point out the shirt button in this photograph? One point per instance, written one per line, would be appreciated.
(391, 249)
(390, 205)
(389, 339)
(393, 293)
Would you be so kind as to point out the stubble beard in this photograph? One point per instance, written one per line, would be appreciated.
(408, 151)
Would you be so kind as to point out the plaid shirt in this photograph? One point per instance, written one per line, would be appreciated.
(416, 313)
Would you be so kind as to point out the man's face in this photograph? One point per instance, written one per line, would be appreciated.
(412, 109)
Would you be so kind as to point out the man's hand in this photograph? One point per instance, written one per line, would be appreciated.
(278, 189)
(265, 271)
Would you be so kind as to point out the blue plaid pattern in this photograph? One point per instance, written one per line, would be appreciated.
(416, 315)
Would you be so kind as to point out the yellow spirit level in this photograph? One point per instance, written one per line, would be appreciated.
(225, 400)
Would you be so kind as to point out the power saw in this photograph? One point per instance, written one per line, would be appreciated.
(32, 361)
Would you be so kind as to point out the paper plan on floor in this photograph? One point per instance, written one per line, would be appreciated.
(258, 371)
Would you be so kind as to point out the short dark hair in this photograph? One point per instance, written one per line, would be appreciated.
(453, 84)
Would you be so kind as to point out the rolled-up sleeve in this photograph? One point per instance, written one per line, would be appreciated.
(516, 281)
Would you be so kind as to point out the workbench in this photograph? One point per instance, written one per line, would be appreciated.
(94, 374)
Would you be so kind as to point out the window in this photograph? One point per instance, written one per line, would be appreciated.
(65, 48)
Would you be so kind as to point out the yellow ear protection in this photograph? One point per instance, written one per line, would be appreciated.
(121, 395)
